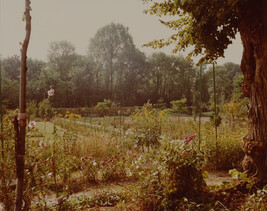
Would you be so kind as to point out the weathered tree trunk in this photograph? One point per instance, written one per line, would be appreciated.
(20, 133)
(254, 66)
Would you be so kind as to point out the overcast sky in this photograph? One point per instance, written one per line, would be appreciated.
(77, 21)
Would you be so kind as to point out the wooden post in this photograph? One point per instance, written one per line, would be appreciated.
(21, 125)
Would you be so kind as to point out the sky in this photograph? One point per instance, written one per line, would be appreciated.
(78, 20)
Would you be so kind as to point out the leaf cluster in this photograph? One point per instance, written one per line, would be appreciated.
(208, 26)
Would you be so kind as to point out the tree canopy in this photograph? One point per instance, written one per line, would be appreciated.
(208, 26)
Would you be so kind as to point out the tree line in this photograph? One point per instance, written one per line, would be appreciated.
(115, 69)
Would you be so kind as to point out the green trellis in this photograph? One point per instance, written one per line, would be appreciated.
(215, 109)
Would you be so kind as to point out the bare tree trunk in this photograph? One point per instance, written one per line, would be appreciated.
(20, 133)
(254, 67)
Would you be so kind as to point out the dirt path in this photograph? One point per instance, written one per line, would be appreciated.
(218, 177)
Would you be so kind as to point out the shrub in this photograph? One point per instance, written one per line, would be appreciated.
(102, 108)
(45, 109)
(146, 127)
(236, 111)
(229, 152)
(178, 176)
(32, 110)
(179, 106)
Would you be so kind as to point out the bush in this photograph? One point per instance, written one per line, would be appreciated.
(102, 108)
(179, 106)
(45, 109)
(32, 110)
(146, 127)
(178, 176)
(229, 152)
(7, 163)
(236, 111)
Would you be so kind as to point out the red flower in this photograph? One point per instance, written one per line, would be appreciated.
(135, 156)
(185, 154)
(188, 139)
(60, 199)
(116, 156)
(116, 173)
(34, 164)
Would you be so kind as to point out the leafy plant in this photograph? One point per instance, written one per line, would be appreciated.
(146, 127)
(102, 108)
(178, 176)
(45, 109)
(179, 106)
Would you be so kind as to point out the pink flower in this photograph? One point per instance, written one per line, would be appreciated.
(32, 124)
(128, 122)
(82, 165)
(135, 156)
(51, 92)
(109, 168)
(102, 163)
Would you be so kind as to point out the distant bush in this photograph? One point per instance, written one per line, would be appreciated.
(179, 106)
(102, 108)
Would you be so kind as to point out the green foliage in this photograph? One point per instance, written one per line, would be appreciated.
(209, 32)
(216, 120)
(146, 127)
(179, 106)
(178, 176)
(229, 153)
(102, 107)
(256, 201)
(7, 163)
(32, 109)
(45, 109)
(236, 111)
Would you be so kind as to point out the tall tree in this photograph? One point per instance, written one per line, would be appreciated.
(107, 47)
(62, 60)
(209, 26)
(62, 57)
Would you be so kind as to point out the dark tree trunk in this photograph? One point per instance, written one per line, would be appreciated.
(21, 126)
(253, 30)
